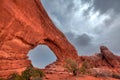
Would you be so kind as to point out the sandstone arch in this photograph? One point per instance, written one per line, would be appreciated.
(23, 25)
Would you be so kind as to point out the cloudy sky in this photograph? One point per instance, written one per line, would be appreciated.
(86, 23)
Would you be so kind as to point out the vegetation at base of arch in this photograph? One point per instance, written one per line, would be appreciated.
(73, 67)
(30, 73)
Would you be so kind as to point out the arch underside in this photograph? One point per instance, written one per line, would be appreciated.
(23, 27)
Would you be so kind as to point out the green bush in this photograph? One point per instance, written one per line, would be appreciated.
(30, 73)
(72, 66)
(84, 69)
(33, 73)
(15, 76)
(26, 74)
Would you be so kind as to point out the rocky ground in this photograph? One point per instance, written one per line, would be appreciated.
(103, 66)
(56, 72)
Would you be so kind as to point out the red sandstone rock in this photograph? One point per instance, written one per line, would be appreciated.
(24, 24)
(110, 58)
(104, 59)
(104, 63)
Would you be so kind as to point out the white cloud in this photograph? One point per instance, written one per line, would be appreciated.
(69, 17)
(95, 24)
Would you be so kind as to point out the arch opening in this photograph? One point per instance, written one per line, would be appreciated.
(41, 56)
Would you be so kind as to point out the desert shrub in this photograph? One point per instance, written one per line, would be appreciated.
(26, 74)
(84, 69)
(15, 76)
(33, 73)
(30, 73)
(72, 66)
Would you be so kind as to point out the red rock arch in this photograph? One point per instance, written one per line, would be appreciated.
(24, 24)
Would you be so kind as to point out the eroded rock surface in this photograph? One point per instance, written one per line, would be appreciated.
(111, 59)
(24, 24)
(104, 59)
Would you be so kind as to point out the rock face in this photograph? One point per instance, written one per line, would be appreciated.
(103, 59)
(24, 24)
(111, 59)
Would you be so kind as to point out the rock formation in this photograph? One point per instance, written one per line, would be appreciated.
(24, 24)
(103, 59)
(101, 66)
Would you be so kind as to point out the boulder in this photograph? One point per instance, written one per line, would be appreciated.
(111, 59)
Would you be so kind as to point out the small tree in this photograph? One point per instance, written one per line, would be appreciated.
(33, 73)
(15, 76)
(72, 66)
(84, 69)
(30, 73)
(26, 74)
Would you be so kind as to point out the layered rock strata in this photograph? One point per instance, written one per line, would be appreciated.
(103, 59)
(24, 24)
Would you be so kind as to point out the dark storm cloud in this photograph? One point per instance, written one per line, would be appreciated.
(83, 40)
(82, 43)
(79, 40)
(67, 15)
(104, 5)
